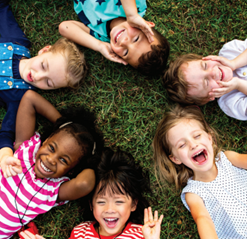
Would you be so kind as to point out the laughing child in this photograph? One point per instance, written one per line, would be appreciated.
(117, 30)
(60, 65)
(192, 79)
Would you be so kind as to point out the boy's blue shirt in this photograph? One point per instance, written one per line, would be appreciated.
(97, 14)
(13, 46)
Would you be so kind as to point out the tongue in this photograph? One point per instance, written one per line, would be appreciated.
(200, 158)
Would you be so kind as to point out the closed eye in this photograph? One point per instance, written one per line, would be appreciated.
(42, 65)
(126, 52)
(119, 202)
(205, 66)
(197, 136)
(136, 39)
(181, 146)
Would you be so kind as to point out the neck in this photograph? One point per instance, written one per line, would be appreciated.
(22, 65)
(117, 21)
(207, 176)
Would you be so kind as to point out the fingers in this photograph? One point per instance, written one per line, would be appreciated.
(118, 60)
(160, 219)
(210, 57)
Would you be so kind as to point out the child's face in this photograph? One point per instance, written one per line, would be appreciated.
(129, 42)
(46, 71)
(112, 211)
(191, 146)
(203, 76)
(57, 155)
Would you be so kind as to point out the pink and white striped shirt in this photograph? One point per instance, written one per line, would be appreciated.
(86, 230)
(11, 196)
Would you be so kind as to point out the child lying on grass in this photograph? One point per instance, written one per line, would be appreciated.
(60, 65)
(73, 144)
(132, 39)
(192, 79)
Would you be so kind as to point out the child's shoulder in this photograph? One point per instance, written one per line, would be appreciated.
(80, 230)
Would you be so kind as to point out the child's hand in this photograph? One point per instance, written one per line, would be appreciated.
(224, 61)
(225, 87)
(138, 22)
(28, 235)
(108, 53)
(10, 166)
(151, 227)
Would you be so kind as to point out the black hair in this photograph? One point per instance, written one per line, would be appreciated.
(80, 123)
(118, 172)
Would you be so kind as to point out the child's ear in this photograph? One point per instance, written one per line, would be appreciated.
(151, 24)
(44, 49)
(174, 159)
(134, 205)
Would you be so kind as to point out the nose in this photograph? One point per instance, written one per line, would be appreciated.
(51, 159)
(124, 41)
(110, 208)
(193, 144)
(212, 73)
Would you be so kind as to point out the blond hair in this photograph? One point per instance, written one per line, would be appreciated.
(76, 64)
(176, 85)
(165, 169)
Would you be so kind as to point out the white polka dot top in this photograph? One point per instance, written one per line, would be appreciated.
(225, 199)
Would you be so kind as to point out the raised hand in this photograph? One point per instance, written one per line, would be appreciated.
(10, 166)
(108, 53)
(138, 22)
(225, 87)
(28, 235)
(152, 225)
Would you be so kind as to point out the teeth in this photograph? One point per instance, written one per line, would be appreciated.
(110, 219)
(45, 168)
(220, 74)
(119, 36)
(198, 153)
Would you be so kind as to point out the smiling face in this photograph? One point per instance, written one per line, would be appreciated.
(57, 155)
(203, 76)
(111, 211)
(46, 71)
(129, 42)
(192, 146)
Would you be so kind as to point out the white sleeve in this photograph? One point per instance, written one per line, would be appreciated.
(234, 103)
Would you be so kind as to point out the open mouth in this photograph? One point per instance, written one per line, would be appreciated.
(221, 74)
(45, 168)
(29, 77)
(200, 157)
(111, 222)
(118, 35)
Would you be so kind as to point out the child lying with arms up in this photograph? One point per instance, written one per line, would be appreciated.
(74, 144)
(117, 30)
(60, 65)
(192, 79)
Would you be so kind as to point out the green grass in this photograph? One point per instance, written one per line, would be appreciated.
(128, 105)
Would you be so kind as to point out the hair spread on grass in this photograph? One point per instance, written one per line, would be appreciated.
(154, 62)
(165, 169)
(176, 84)
(76, 64)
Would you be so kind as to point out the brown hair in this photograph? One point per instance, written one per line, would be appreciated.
(164, 167)
(76, 68)
(154, 62)
(177, 86)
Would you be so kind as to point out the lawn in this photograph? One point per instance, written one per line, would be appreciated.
(128, 105)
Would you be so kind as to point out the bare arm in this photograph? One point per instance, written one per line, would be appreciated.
(238, 160)
(201, 216)
(135, 20)
(80, 34)
(77, 187)
(32, 103)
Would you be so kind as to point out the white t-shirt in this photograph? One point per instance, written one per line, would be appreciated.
(234, 103)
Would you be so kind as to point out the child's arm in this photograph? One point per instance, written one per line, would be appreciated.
(32, 103)
(135, 20)
(77, 187)
(151, 227)
(80, 34)
(10, 165)
(201, 216)
(238, 160)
